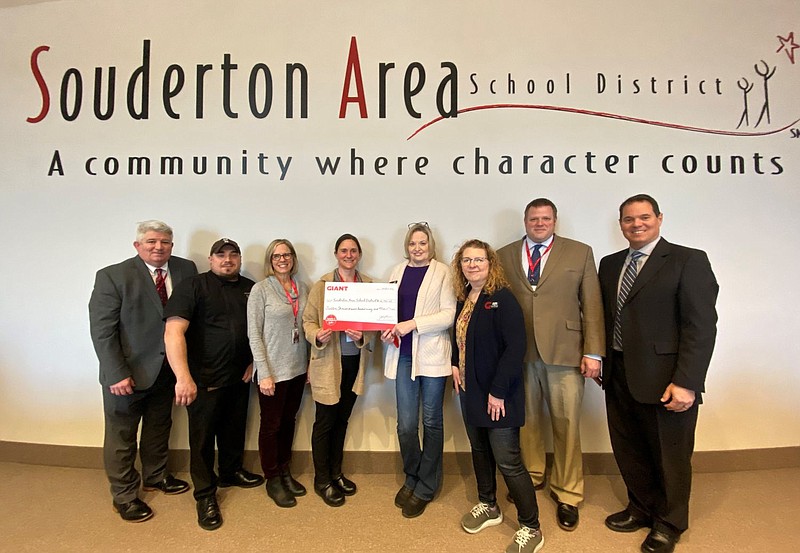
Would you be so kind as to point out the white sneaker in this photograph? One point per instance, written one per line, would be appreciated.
(526, 540)
(480, 517)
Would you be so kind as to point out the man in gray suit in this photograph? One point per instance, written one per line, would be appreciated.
(125, 319)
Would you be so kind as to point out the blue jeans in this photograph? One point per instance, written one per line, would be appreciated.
(422, 465)
(494, 448)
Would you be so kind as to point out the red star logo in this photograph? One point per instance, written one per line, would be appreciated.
(788, 45)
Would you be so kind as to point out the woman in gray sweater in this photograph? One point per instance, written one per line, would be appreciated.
(280, 361)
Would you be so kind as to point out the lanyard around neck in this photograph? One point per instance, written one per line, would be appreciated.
(294, 301)
(531, 264)
(342, 279)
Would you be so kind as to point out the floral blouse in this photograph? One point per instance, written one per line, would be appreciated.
(461, 338)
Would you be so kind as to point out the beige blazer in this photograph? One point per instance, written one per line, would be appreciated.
(325, 364)
(564, 315)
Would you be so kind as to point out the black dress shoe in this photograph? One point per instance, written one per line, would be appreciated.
(402, 496)
(279, 494)
(294, 487)
(567, 516)
(208, 515)
(134, 511)
(346, 486)
(414, 506)
(624, 521)
(169, 485)
(659, 542)
(330, 494)
(242, 479)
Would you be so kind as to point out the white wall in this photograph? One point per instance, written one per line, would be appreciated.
(60, 230)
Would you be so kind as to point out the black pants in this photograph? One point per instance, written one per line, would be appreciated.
(218, 415)
(153, 408)
(498, 448)
(330, 426)
(653, 449)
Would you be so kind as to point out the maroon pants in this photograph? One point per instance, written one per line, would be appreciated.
(276, 433)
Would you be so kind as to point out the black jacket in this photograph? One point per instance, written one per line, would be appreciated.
(495, 352)
(669, 321)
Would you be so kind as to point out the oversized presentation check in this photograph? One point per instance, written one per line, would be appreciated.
(360, 305)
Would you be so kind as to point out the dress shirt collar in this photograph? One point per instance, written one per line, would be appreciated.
(152, 268)
(647, 249)
(546, 243)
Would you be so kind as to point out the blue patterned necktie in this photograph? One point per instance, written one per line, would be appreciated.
(533, 274)
(624, 289)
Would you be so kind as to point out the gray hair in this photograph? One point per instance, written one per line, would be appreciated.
(152, 226)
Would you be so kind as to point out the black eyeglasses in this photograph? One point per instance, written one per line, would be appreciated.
(423, 223)
(279, 256)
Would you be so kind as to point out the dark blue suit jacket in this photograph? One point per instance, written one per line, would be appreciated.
(495, 352)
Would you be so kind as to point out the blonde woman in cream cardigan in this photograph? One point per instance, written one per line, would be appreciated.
(417, 357)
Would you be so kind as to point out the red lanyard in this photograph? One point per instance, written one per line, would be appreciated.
(294, 301)
(342, 279)
(531, 264)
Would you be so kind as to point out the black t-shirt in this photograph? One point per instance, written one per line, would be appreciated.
(216, 340)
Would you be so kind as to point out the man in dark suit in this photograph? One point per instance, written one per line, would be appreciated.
(125, 318)
(555, 281)
(661, 324)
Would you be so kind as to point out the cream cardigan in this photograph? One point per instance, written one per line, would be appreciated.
(434, 314)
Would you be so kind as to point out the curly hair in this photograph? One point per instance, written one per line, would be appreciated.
(496, 279)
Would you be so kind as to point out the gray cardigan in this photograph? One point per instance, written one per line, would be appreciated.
(270, 320)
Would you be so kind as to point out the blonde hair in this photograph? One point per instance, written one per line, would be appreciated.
(425, 229)
(496, 279)
(268, 269)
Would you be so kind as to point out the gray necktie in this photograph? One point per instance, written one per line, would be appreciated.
(624, 289)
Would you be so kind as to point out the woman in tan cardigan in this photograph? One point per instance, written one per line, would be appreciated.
(336, 374)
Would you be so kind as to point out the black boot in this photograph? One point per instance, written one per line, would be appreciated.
(294, 487)
(279, 494)
(345, 485)
(330, 494)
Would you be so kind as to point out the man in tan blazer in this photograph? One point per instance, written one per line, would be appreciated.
(555, 281)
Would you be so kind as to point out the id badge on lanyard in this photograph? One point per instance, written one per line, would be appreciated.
(294, 300)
